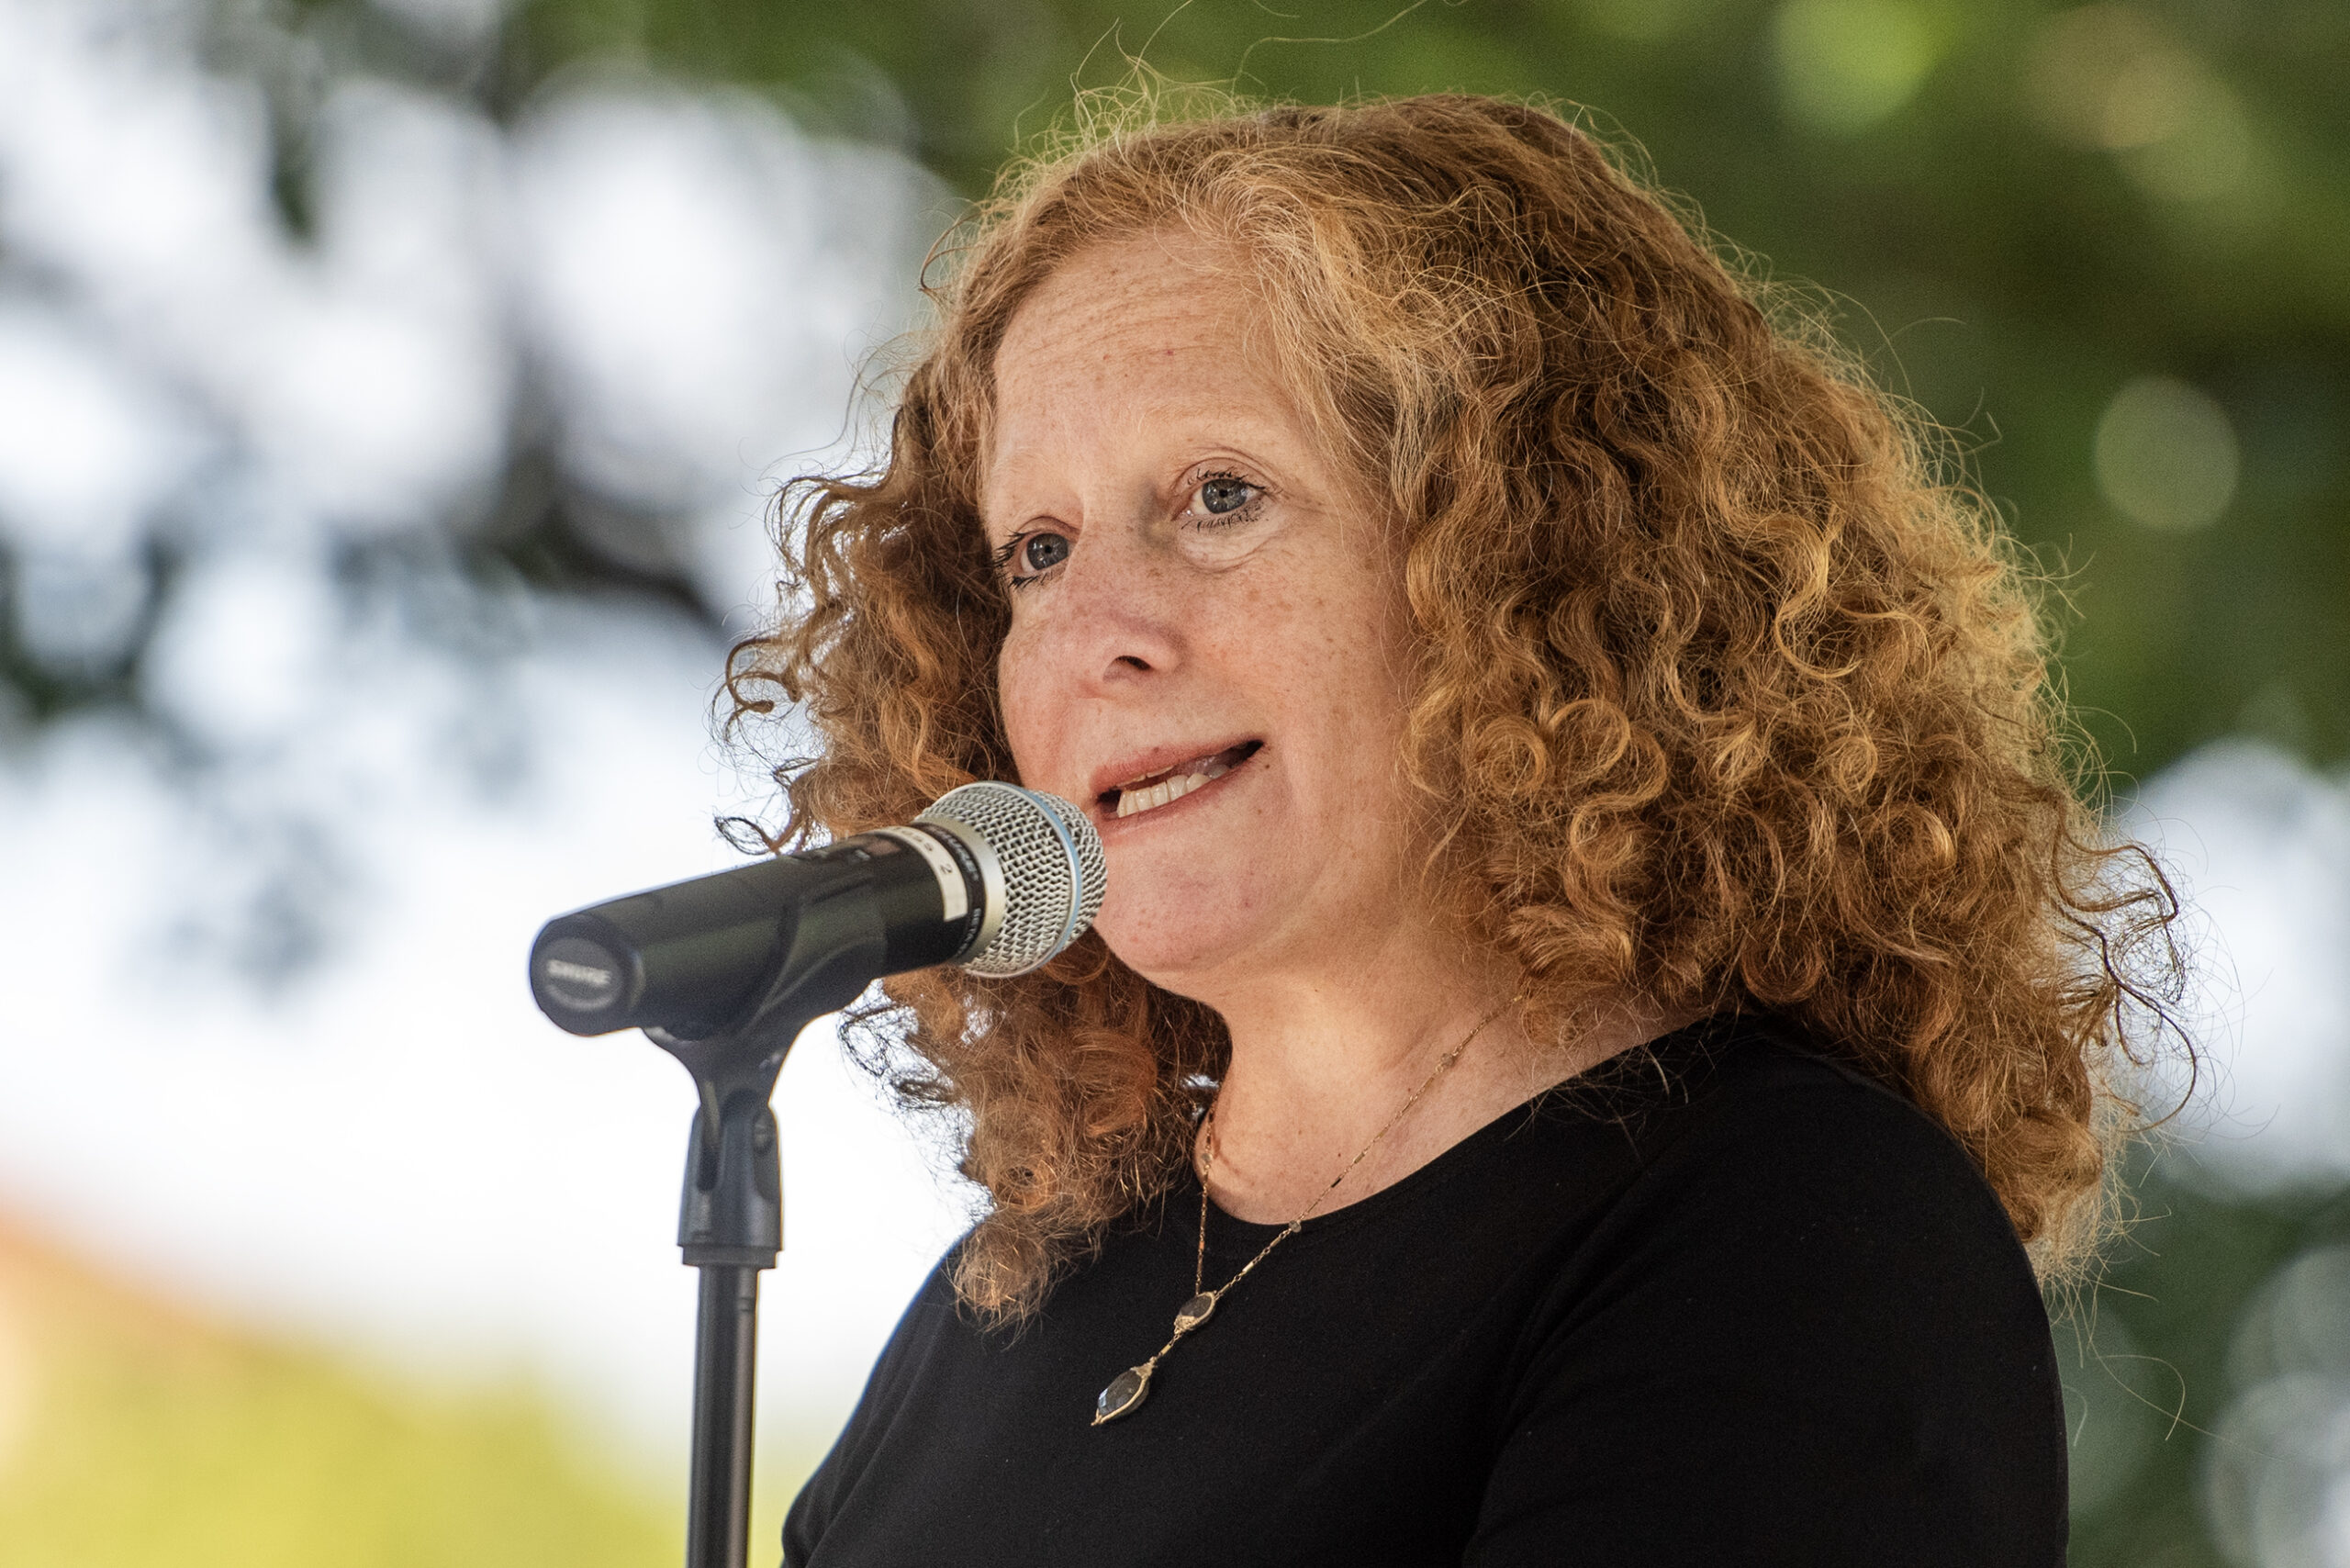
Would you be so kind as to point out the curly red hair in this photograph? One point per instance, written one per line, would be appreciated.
(1727, 694)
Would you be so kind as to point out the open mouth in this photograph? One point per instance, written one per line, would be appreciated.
(1168, 785)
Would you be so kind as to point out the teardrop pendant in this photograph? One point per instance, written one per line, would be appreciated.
(1195, 1312)
(1124, 1394)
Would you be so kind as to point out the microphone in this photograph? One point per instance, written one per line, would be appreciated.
(992, 877)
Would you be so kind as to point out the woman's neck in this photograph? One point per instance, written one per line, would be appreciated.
(1324, 1061)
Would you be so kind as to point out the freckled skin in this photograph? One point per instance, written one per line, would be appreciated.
(1280, 894)
(1127, 378)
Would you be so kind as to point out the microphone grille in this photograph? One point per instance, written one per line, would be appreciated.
(1053, 872)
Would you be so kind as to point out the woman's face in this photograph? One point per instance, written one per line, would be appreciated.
(1206, 638)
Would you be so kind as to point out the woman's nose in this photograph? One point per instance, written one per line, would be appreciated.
(1123, 612)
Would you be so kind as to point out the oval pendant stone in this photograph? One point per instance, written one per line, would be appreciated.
(1123, 1394)
(1195, 1312)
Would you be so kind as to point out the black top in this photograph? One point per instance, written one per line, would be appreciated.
(1717, 1302)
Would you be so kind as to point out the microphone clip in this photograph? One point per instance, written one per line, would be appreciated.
(731, 1212)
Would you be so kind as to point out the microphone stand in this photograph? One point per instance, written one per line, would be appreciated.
(730, 1221)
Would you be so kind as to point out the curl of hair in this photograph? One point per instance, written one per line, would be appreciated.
(1727, 694)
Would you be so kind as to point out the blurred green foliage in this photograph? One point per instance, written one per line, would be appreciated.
(2021, 207)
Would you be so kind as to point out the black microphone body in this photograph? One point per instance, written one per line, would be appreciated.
(692, 957)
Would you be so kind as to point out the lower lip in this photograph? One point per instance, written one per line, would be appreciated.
(1110, 824)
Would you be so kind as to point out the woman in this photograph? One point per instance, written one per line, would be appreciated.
(1603, 978)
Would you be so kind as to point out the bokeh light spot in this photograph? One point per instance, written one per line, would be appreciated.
(1846, 64)
(88, 447)
(2211, 155)
(2107, 78)
(2167, 454)
(2276, 1487)
(2077, 65)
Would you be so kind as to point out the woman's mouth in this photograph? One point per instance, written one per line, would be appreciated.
(1167, 786)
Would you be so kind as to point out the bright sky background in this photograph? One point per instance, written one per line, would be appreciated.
(267, 1038)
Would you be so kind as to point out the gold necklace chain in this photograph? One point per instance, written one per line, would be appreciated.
(1129, 1388)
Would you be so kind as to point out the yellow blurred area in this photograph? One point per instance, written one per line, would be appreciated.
(133, 1431)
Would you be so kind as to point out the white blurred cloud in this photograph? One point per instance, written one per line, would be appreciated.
(399, 1154)
(367, 378)
(696, 282)
(703, 283)
(143, 179)
(2260, 846)
(383, 398)
(90, 447)
(243, 655)
(373, 787)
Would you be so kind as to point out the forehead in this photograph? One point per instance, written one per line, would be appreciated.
(1163, 290)
(1161, 326)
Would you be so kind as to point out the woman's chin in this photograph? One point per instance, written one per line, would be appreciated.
(1180, 954)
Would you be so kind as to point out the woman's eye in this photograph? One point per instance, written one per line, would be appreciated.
(1223, 494)
(1042, 552)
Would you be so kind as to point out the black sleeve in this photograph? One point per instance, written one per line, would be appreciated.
(1807, 1335)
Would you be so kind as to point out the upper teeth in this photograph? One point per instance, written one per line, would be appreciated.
(1172, 787)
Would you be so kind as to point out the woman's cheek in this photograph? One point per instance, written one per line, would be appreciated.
(1019, 693)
